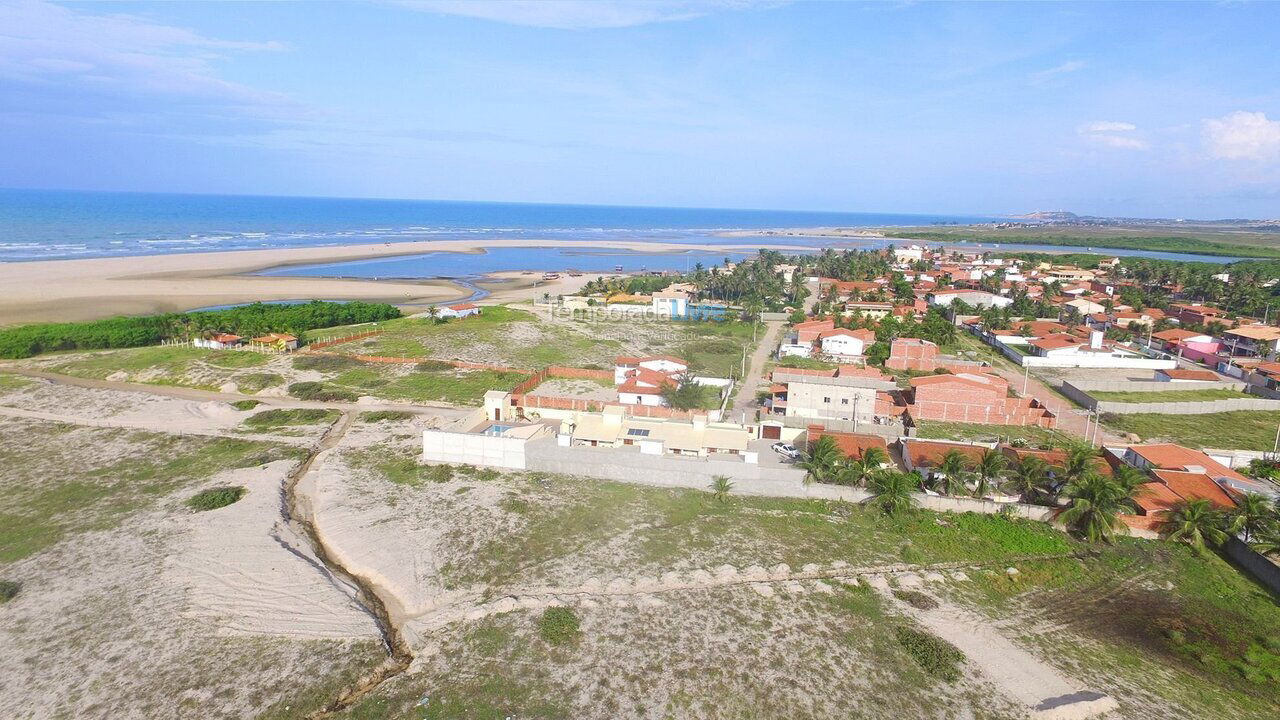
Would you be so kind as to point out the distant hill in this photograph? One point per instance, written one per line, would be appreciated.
(1048, 215)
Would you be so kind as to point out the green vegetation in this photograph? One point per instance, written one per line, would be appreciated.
(235, 359)
(558, 625)
(1238, 430)
(257, 382)
(9, 383)
(399, 468)
(934, 655)
(286, 417)
(377, 416)
(78, 493)
(687, 394)
(318, 392)
(9, 590)
(243, 405)
(1035, 436)
(325, 363)
(1171, 396)
(125, 332)
(215, 498)
(1200, 243)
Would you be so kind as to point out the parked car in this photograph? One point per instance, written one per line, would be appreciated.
(787, 451)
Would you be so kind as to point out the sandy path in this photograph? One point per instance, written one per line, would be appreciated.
(102, 287)
(746, 397)
(246, 572)
(159, 425)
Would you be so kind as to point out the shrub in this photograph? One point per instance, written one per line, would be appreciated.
(378, 416)
(281, 417)
(933, 654)
(214, 498)
(325, 363)
(434, 366)
(318, 392)
(245, 404)
(9, 590)
(253, 382)
(558, 625)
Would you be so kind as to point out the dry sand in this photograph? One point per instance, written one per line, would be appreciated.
(102, 287)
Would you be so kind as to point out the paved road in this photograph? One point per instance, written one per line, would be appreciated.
(745, 400)
(182, 393)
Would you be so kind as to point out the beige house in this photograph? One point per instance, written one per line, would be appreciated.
(849, 397)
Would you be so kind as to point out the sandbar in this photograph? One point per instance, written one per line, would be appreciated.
(88, 289)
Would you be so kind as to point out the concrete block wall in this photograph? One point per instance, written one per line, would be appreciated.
(1079, 391)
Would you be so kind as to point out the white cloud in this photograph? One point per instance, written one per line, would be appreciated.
(1243, 136)
(1069, 66)
(1110, 133)
(584, 14)
(47, 44)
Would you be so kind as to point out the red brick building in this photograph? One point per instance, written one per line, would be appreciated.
(973, 397)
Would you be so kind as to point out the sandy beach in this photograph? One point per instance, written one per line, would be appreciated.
(69, 290)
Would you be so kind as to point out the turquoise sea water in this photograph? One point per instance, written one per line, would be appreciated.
(45, 225)
(50, 225)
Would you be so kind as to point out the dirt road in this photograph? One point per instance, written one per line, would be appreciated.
(744, 401)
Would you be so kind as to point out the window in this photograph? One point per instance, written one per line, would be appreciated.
(844, 401)
(826, 400)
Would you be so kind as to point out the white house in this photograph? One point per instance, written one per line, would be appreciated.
(671, 303)
(221, 341)
(624, 366)
(911, 253)
(460, 310)
(849, 343)
(975, 298)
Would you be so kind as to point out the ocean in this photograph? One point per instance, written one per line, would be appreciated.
(55, 225)
(49, 225)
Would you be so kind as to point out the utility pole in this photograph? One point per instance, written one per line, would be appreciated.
(1026, 378)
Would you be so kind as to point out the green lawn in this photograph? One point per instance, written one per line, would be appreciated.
(1239, 430)
(1035, 436)
(1170, 396)
(9, 383)
(76, 493)
(172, 365)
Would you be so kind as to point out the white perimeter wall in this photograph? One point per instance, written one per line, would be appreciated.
(473, 449)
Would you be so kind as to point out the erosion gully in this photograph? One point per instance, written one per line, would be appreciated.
(297, 513)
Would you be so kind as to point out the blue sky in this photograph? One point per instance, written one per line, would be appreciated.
(1135, 109)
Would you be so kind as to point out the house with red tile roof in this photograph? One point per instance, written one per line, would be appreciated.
(846, 343)
(852, 445)
(924, 456)
(460, 310)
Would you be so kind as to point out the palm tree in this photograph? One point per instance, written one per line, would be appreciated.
(875, 457)
(1031, 478)
(1096, 502)
(989, 469)
(720, 487)
(857, 472)
(823, 460)
(1080, 461)
(952, 470)
(1253, 512)
(892, 491)
(1267, 541)
(433, 312)
(1194, 522)
(1129, 476)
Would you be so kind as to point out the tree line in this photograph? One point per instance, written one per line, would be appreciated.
(246, 321)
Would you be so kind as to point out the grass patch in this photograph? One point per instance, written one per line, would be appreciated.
(9, 383)
(257, 382)
(325, 363)
(215, 498)
(234, 359)
(377, 416)
(804, 363)
(916, 599)
(320, 393)
(286, 417)
(1035, 436)
(461, 387)
(933, 654)
(1171, 396)
(243, 405)
(400, 468)
(559, 625)
(9, 590)
(1239, 430)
